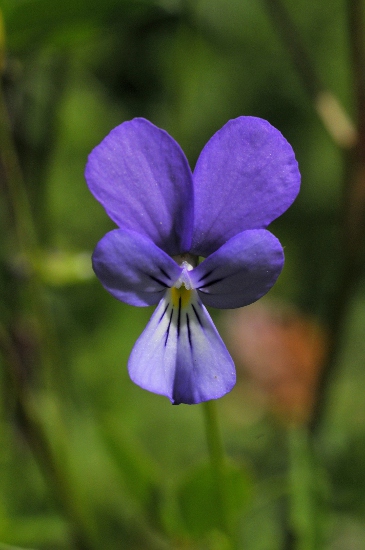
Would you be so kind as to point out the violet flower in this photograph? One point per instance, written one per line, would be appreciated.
(168, 217)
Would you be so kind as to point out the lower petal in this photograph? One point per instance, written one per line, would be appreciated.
(180, 353)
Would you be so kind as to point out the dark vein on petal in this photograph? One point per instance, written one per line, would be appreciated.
(165, 274)
(189, 331)
(212, 283)
(168, 328)
(164, 311)
(197, 315)
(206, 275)
(157, 280)
(178, 318)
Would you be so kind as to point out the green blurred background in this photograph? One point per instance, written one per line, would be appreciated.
(87, 459)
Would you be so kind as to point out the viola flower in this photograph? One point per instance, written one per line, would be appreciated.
(168, 217)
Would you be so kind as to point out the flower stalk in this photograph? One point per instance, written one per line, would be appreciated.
(217, 460)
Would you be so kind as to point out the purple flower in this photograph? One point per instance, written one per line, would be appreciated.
(245, 177)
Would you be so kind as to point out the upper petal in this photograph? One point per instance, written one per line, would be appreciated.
(142, 178)
(133, 269)
(241, 271)
(245, 177)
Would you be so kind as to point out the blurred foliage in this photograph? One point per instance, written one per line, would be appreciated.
(107, 464)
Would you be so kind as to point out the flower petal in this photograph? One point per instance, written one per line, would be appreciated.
(241, 271)
(142, 178)
(245, 177)
(180, 353)
(133, 269)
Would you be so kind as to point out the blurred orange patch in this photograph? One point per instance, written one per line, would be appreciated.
(282, 352)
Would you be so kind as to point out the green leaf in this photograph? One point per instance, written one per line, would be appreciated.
(198, 498)
(138, 474)
(61, 267)
(34, 531)
(33, 23)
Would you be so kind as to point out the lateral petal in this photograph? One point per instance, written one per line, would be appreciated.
(246, 176)
(142, 178)
(133, 269)
(180, 353)
(240, 271)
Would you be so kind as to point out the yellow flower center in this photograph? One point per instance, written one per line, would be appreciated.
(180, 293)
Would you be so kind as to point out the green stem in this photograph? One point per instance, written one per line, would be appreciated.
(21, 244)
(352, 229)
(305, 506)
(217, 459)
(51, 460)
(21, 218)
(326, 104)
